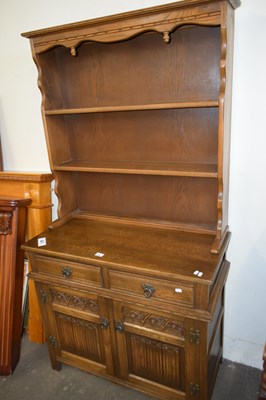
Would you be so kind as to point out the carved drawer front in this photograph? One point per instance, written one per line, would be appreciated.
(69, 271)
(152, 288)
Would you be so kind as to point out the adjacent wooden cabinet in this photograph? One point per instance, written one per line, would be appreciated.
(13, 215)
(136, 110)
(37, 187)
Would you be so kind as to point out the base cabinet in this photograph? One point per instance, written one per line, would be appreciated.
(164, 354)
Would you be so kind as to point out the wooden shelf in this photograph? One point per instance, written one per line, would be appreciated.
(202, 229)
(135, 107)
(142, 168)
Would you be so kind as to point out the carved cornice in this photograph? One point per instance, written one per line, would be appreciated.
(165, 27)
(6, 222)
(162, 19)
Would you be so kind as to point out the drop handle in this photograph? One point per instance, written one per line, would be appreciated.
(148, 290)
(104, 323)
(67, 272)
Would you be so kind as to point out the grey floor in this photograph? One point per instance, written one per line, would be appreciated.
(34, 379)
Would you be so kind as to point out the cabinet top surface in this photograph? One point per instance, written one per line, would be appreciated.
(26, 176)
(171, 253)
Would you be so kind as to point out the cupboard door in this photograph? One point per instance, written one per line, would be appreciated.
(151, 350)
(77, 328)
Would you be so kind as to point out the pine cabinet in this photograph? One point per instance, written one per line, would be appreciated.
(37, 187)
(131, 277)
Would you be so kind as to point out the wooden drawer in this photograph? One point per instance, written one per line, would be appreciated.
(68, 270)
(152, 288)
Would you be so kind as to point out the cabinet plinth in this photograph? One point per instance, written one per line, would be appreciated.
(136, 110)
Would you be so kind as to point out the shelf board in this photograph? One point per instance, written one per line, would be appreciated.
(135, 107)
(142, 168)
(203, 229)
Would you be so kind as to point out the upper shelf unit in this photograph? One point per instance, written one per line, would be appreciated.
(136, 109)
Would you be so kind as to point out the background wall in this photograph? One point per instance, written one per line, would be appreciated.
(24, 146)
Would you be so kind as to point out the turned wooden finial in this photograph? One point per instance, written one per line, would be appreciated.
(73, 51)
(166, 37)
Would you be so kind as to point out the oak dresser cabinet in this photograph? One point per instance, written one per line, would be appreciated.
(131, 277)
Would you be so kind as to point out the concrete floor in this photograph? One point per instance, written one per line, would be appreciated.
(34, 379)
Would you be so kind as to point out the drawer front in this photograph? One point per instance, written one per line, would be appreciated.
(68, 270)
(152, 288)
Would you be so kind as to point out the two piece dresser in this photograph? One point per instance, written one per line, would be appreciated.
(130, 278)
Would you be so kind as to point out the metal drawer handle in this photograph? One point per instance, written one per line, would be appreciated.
(67, 272)
(104, 323)
(148, 290)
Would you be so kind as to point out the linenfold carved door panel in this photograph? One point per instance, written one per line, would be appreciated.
(151, 348)
(79, 329)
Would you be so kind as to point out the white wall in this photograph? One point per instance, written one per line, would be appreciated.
(24, 146)
(245, 328)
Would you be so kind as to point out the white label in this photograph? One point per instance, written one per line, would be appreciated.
(98, 254)
(178, 290)
(198, 273)
(41, 241)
